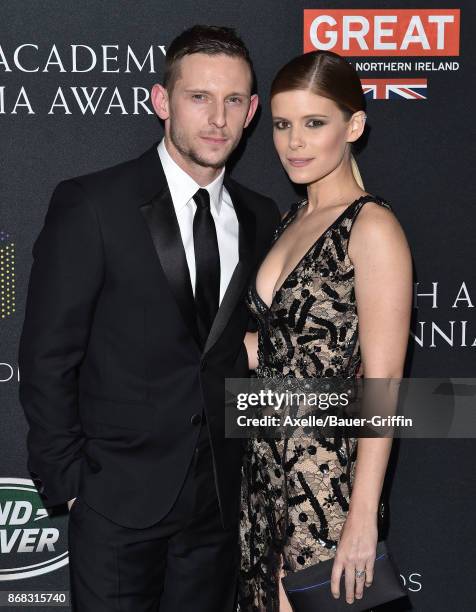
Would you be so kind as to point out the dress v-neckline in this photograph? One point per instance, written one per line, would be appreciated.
(290, 220)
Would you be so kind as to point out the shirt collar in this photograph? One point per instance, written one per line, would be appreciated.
(182, 186)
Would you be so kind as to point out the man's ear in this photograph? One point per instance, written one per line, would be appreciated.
(160, 101)
(254, 101)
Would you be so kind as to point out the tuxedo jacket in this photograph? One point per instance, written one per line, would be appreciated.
(112, 377)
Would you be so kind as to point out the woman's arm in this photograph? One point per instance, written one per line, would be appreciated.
(383, 287)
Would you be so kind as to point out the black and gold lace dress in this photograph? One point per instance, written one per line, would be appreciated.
(296, 490)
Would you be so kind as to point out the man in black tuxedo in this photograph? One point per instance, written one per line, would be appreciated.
(135, 316)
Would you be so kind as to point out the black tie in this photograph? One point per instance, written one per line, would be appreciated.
(207, 264)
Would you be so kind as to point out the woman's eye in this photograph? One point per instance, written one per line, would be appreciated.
(280, 125)
(313, 123)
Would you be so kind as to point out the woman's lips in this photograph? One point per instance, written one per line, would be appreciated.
(299, 162)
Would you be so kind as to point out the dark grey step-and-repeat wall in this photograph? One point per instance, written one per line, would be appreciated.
(74, 83)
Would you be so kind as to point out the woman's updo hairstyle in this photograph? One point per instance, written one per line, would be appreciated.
(329, 75)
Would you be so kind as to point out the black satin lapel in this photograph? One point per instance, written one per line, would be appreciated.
(163, 225)
(241, 274)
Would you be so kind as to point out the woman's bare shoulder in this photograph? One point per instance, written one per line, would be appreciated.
(375, 216)
(375, 228)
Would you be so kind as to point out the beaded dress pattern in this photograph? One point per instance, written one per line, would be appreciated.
(296, 490)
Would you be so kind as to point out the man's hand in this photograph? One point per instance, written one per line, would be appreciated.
(70, 503)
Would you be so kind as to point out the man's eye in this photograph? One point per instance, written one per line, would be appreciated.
(280, 125)
(198, 97)
(235, 100)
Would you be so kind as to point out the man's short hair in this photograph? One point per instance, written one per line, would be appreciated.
(211, 40)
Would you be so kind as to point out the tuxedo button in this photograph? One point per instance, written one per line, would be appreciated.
(196, 419)
(203, 366)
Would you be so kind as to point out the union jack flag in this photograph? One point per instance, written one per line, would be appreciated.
(395, 89)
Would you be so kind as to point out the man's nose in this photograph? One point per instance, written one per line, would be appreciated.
(217, 115)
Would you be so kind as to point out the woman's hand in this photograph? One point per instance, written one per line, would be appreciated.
(356, 551)
(251, 344)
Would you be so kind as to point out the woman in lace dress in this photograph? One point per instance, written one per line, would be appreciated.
(332, 295)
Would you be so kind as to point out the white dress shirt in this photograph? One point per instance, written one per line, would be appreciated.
(182, 189)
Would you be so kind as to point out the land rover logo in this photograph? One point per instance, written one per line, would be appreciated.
(31, 543)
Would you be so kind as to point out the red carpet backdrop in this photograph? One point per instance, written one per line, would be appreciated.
(74, 97)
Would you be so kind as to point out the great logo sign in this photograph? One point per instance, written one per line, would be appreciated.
(394, 33)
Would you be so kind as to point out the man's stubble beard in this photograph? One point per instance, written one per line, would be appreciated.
(191, 154)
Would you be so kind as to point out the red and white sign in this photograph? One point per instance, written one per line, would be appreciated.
(358, 32)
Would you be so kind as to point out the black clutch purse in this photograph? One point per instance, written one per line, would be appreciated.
(309, 589)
